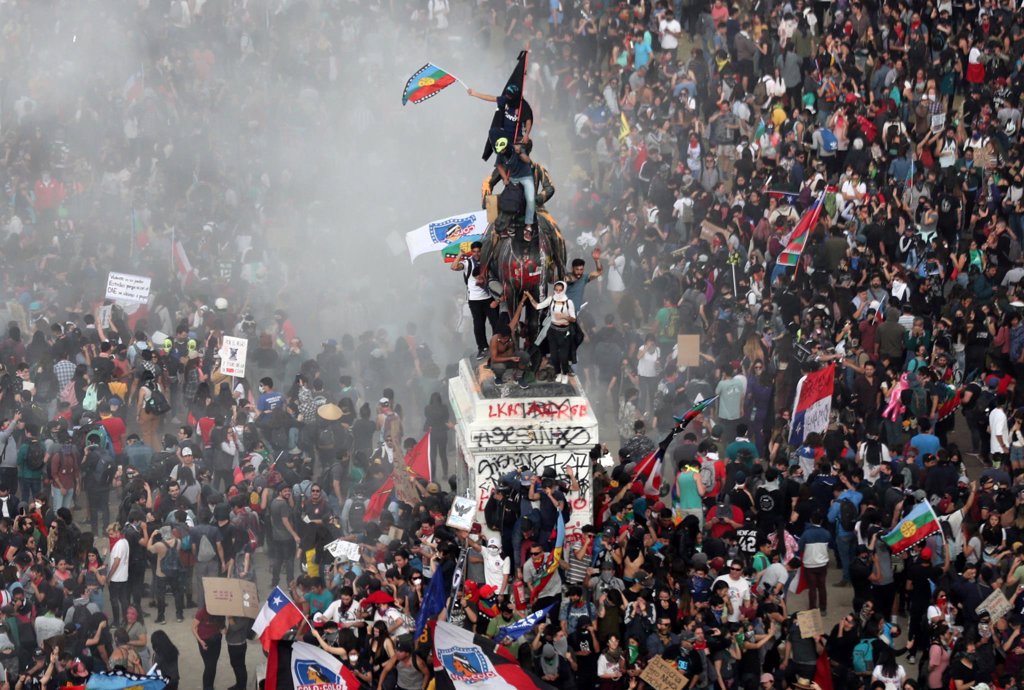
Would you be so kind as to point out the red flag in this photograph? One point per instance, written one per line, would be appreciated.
(379, 500)
(418, 458)
(823, 672)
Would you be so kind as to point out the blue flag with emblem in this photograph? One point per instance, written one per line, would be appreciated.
(433, 603)
(514, 631)
(123, 681)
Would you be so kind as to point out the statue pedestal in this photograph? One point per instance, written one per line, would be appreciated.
(502, 428)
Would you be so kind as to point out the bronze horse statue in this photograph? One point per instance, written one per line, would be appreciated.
(512, 265)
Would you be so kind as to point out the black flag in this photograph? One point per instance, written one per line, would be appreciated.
(518, 80)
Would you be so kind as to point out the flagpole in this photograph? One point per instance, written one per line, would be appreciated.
(451, 75)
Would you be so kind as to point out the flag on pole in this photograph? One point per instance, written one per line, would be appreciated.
(418, 458)
(798, 238)
(648, 471)
(518, 80)
(453, 232)
(426, 82)
(813, 404)
(698, 407)
(301, 666)
(278, 615)
(379, 500)
(919, 523)
(182, 266)
(474, 662)
(624, 128)
(544, 576)
(514, 631)
(432, 604)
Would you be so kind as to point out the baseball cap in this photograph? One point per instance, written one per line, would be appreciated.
(926, 553)
(186, 451)
(767, 678)
(492, 542)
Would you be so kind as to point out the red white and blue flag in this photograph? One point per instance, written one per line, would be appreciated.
(475, 662)
(813, 404)
(301, 666)
(278, 615)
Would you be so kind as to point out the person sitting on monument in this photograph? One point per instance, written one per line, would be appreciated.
(505, 354)
(517, 115)
(514, 165)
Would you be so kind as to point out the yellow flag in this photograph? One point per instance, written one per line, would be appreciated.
(624, 130)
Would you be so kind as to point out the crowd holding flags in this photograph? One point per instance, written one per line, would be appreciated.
(790, 256)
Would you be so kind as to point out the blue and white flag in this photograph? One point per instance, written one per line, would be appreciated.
(433, 603)
(516, 630)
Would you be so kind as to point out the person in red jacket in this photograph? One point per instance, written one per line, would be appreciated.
(114, 426)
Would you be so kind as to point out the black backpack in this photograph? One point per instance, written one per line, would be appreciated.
(848, 514)
(36, 457)
(157, 403)
(325, 440)
(356, 514)
(512, 199)
(170, 564)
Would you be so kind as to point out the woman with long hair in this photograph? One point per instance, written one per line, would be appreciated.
(382, 648)
(888, 670)
(124, 656)
(165, 657)
(93, 576)
(209, 633)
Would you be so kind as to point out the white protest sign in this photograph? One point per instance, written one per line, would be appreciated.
(124, 287)
(462, 513)
(232, 356)
(343, 549)
(938, 122)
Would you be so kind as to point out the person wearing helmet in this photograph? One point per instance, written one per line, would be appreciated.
(517, 115)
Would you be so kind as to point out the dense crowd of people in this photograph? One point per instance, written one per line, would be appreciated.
(699, 136)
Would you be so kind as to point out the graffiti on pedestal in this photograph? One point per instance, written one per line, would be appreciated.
(491, 468)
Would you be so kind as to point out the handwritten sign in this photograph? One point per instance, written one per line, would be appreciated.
(810, 623)
(229, 596)
(232, 356)
(995, 604)
(124, 287)
(462, 512)
(662, 674)
(343, 549)
(687, 351)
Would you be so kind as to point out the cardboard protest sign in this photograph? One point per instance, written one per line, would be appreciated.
(810, 623)
(687, 351)
(995, 604)
(662, 674)
(229, 596)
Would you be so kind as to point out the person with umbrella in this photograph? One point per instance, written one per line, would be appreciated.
(386, 611)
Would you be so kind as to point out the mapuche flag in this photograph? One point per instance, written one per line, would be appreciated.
(692, 413)
(475, 662)
(919, 523)
(426, 82)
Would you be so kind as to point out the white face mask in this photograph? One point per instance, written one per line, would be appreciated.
(353, 659)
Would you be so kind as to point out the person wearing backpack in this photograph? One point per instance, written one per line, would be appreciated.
(97, 472)
(32, 459)
(208, 552)
(63, 472)
(844, 514)
(165, 544)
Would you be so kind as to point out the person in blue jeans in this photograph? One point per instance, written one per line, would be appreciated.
(514, 165)
(846, 539)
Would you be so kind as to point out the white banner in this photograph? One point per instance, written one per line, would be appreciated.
(343, 549)
(124, 287)
(232, 356)
(314, 669)
(438, 234)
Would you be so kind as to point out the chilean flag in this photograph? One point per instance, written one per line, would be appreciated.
(648, 471)
(813, 404)
(278, 615)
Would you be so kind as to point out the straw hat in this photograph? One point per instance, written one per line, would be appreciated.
(329, 412)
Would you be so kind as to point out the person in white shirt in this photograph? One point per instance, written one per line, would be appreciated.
(999, 433)
(481, 304)
(117, 574)
(496, 568)
(739, 588)
(670, 30)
